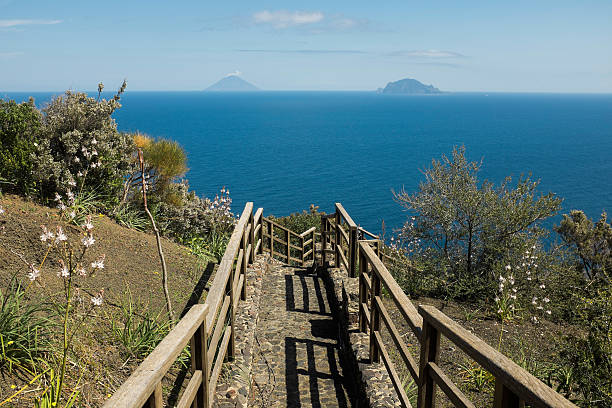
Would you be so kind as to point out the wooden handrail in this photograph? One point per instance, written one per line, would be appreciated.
(139, 387)
(520, 382)
(345, 215)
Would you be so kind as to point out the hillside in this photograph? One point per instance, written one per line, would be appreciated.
(131, 266)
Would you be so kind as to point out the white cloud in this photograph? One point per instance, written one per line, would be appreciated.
(17, 22)
(235, 73)
(427, 54)
(10, 54)
(284, 18)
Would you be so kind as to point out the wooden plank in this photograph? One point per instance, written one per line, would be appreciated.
(212, 348)
(395, 380)
(219, 363)
(365, 232)
(257, 216)
(343, 233)
(281, 255)
(238, 287)
(257, 246)
(367, 281)
(397, 339)
(257, 229)
(248, 253)
(505, 398)
(430, 352)
(308, 253)
(519, 381)
(366, 313)
(191, 390)
(308, 242)
(340, 252)
(345, 215)
(217, 288)
(402, 301)
(239, 263)
(308, 231)
(156, 400)
(135, 391)
(452, 392)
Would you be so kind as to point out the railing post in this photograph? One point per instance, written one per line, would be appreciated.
(338, 241)
(271, 240)
(199, 361)
(252, 242)
(430, 352)
(352, 251)
(261, 233)
(323, 240)
(374, 318)
(156, 400)
(232, 342)
(363, 293)
(505, 398)
(245, 263)
(303, 251)
(313, 245)
(288, 235)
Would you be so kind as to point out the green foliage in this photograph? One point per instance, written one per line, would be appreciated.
(462, 226)
(475, 377)
(139, 333)
(24, 332)
(131, 217)
(50, 398)
(80, 148)
(19, 127)
(301, 221)
(588, 355)
(210, 247)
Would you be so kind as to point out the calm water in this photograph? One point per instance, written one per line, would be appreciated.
(285, 150)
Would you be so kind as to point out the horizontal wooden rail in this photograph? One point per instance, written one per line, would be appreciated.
(139, 387)
(215, 318)
(519, 384)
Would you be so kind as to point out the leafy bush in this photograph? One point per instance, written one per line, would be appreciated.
(24, 332)
(19, 126)
(301, 221)
(461, 227)
(80, 148)
(588, 355)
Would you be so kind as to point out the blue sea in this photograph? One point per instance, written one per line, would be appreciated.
(286, 150)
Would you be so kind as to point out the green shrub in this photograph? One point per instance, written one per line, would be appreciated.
(80, 148)
(462, 227)
(19, 127)
(301, 221)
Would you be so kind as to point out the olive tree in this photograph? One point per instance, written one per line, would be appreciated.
(462, 228)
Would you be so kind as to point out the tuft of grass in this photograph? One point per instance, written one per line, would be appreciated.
(411, 389)
(210, 248)
(132, 218)
(139, 333)
(475, 377)
(24, 331)
(49, 397)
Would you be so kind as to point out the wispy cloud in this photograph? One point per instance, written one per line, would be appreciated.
(303, 51)
(284, 18)
(426, 54)
(10, 54)
(23, 22)
(235, 73)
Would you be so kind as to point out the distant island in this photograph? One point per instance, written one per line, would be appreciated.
(408, 86)
(232, 83)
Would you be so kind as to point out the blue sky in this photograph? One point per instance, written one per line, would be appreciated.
(516, 46)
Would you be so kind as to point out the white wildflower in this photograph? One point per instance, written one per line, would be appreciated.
(534, 301)
(497, 299)
(81, 271)
(97, 300)
(61, 206)
(71, 183)
(64, 272)
(1, 210)
(542, 286)
(99, 263)
(58, 197)
(34, 273)
(546, 300)
(88, 241)
(72, 214)
(548, 312)
(94, 141)
(60, 236)
(46, 235)
(88, 225)
(508, 267)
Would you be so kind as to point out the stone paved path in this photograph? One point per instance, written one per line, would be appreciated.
(296, 361)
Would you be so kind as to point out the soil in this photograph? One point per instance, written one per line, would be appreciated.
(97, 362)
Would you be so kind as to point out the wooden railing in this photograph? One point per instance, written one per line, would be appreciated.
(208, 327)
(514, 386)
(286, 245)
